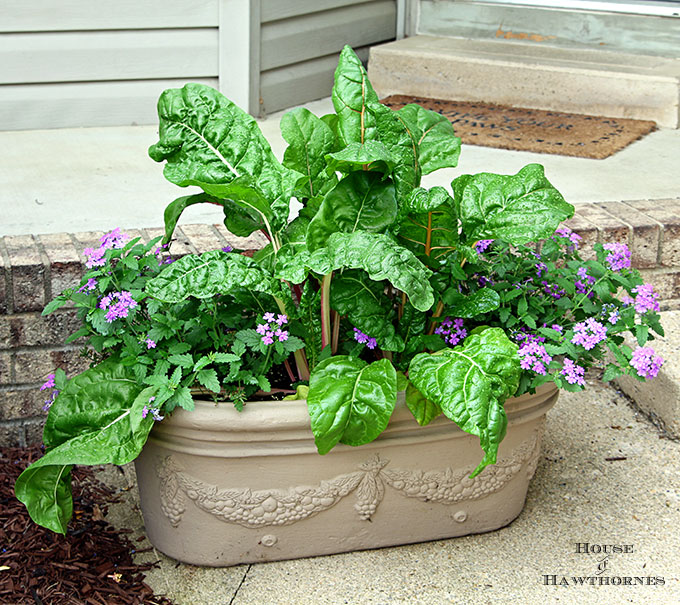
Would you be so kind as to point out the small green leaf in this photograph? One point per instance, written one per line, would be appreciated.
(370, 155)
(184, 361)
(641, 334)
(208, 378)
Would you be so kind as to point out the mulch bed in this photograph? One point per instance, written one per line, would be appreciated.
(535, 130)
(91, 565)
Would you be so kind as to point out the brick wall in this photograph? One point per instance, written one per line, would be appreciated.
(34, 269)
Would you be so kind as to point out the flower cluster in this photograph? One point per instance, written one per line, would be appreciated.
(553, 290)
(90, 285)
(451, 330)
(49, 384)
(149, 409)
(646, 363)
(574, 238)
(584, 282)
(611, 313)
(573, 373)
(272, 328)
(588, 333)
(108, 241)
(482, 245)
(362, 338)
(118, 305)
(533, 356)
(618, 257)
(645, 298)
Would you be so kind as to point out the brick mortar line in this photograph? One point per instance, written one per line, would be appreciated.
(662, 231)
(38, 348)
(9, 292)
(20, 386)
(47, 274)
(631, 228)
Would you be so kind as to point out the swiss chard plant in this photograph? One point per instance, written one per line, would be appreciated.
(460, 298)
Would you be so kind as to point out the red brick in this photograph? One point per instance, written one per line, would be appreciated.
(179, 246)
(645, 232)
(254, 241)
(34, 431)
(588, 233)
(32, 329)
(667, 213)
(202, 237)
(5, 367)
(609, 228)
(3, 283)
(22, 403)
(666, 282)
(66, 270)
(34, 366)
(27, 272)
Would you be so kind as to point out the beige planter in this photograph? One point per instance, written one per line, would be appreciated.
(219, 487)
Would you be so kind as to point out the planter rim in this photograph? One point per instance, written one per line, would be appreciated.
(276, 421)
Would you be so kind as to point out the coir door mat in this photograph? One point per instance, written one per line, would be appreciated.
(533, 129)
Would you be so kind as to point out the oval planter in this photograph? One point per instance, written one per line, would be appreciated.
(220, 487)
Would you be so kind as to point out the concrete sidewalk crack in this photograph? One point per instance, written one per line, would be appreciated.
(243, 579)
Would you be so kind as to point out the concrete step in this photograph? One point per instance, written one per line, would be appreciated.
(584, 81)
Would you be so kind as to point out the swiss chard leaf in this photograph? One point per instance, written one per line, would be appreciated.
(206, 139)
(360, 201)
(90, 422)
(515, 208)
(423, 410)
(470, 383)
(437, 145)
(350, 401)
(309, 139)
(370, 155)
(471, 305)
(366, 307)
(381, 258)
(213, 272)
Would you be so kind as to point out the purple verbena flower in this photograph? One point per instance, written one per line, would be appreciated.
(553, 290)
(533, 356)
(574, 238)
(118, 305)
(95, 257)
(262, 329)
(268, 317)
(114, 239)
(360, 337)
(646, 363)
(227, 248)
(588, 333)
(50, 401)
(523, 335)
(89, 286)
(150, 344)
(619, 257)
(573, 373)
(541, 268)
(482, 245)
(281, 319)
(558, 328)
(646, 299)
(372, 343)
(281, 335)
(583, 284)
(49, 383)
(267, 338)
(451, 330)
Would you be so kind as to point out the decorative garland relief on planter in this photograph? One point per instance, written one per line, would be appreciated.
(260, 508)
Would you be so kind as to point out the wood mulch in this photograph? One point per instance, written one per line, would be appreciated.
(91, 565)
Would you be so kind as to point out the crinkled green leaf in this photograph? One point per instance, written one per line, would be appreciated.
(208, 378)
(239, 220)
(362, 201)
(381, 258)
(350, 401)
(471, 305)
(203, 276)
(366, 307)
(291, 262)
(423, 410)
(90, 423)
(352, 93)
(206, 139)
(470, 383)
(309, 139)
(428, 225)
(517, 208)
(437, 145)
(369, 155)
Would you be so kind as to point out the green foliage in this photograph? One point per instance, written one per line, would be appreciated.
(470, 383)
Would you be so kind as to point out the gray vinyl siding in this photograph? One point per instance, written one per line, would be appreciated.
(70, 63)
(301, 39)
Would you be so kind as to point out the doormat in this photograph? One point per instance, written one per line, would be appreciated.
(534, 130)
